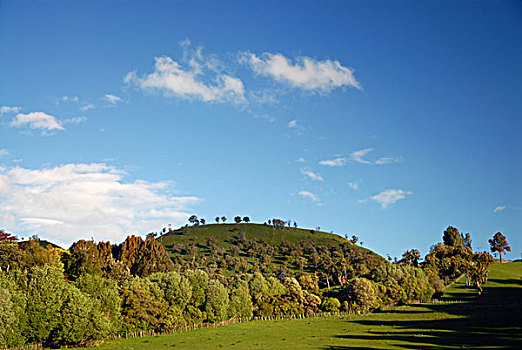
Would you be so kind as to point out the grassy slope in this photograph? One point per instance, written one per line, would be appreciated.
(225, 234)
(493, 321)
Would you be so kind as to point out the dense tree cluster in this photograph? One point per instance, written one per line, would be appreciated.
(447, 261)
(94, 290)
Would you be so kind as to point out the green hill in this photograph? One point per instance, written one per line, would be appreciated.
(256, 247)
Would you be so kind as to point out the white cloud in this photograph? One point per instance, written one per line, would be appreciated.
(312, 175)
(111, 98)
(3, 153)
(339, 161)
(75, 201)
(70, 98)
(292, 124)
(170, 78)
(8, 109)
(358, 156)
(307, 194)
(75, 120)
(300, 160)
(387, 197)
(86, 107)
(37, 120)
(306, 73)
(353, 185)
(499, 208)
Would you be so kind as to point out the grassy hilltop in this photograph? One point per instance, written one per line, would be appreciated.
(250, 247)
(492, 321)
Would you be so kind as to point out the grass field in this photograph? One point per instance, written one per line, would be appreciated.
(492, 321)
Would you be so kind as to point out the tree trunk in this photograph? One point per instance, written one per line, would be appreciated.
(500, 253)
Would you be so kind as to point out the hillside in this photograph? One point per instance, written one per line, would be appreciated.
(257, 247)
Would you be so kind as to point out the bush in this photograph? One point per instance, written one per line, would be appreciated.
(361, 294)
(331, 304)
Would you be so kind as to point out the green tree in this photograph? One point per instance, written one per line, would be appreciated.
(499, 244)
(46, 293)
(331, 304)
(143, 306)
(11, 256)
(198, 283)
(10, 330)
(80, 320)
(452, 237)
(361, 293)
(84, 258)
(240, 304)
(105, 293)
(411, 257)
(216, 304)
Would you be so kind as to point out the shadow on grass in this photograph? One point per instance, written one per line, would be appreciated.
(494, 322)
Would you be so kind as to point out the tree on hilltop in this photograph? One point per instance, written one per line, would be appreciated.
(246, 219)
(217, 219)
(411, 257)
(237, 219)
(499, 244)
(223, 218)
(452, 237)
(193, 220)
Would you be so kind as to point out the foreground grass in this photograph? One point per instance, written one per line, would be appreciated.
(492, 321)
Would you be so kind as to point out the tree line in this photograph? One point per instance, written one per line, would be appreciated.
(95, 290)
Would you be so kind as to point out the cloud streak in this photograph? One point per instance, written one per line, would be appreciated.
(359, 157)
(8, 109)
(499, 208)
(339, 161)
(388, 197)
(74, 201)
(310, 174)
(305, 73)
(309, 195)
(112, 99)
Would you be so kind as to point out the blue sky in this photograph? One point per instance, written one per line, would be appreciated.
(388, 120)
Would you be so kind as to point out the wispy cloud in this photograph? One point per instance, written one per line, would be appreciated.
(300, 160)
(353, 185)
(113, 99)
(292, 124)
(70, 98)
(358, 156)
(339, 161)
(3, 153)
(83, 105)
(309, 173)
(499, 208)
(197, 77)
(306, 73)
(387, 197)
(37, 120)
(8, 109)
(75, 120)
(310, 195)
(92, 199)
(86, 107)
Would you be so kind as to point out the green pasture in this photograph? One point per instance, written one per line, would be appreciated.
(491, 321)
